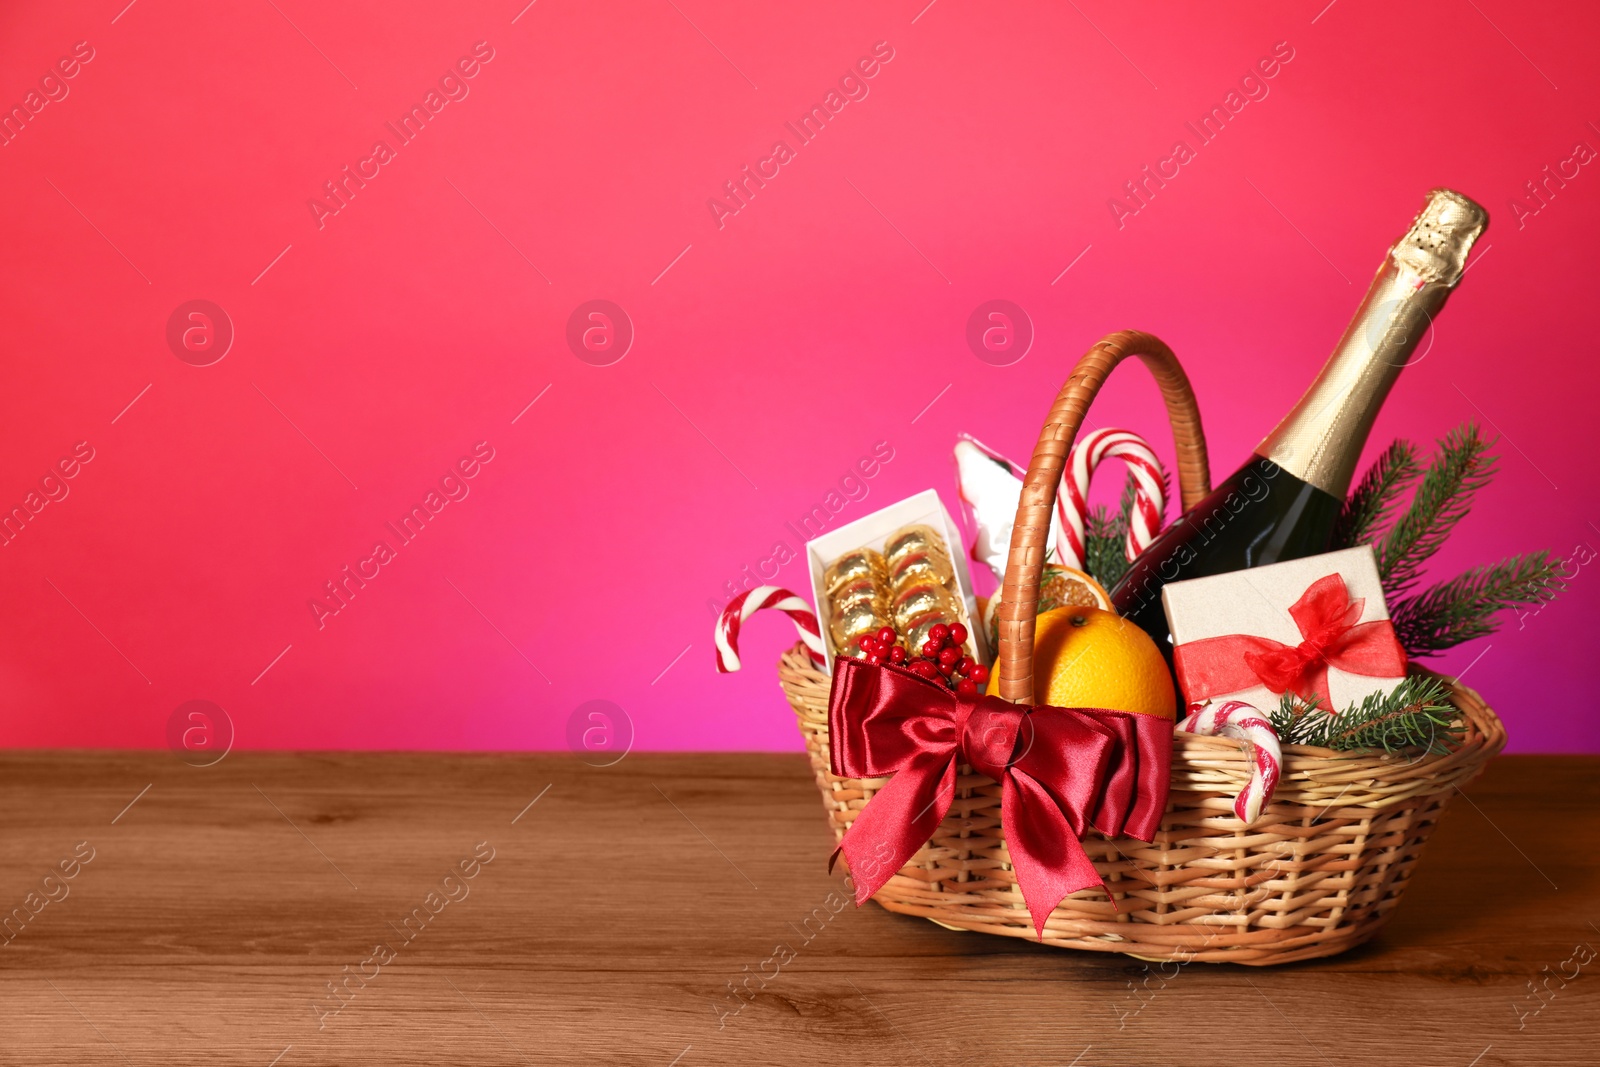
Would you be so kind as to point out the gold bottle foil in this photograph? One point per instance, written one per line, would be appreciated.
(1321, 439)
(862, 563)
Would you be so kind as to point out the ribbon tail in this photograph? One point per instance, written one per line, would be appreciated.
(1370, 648)
(897, 821)
(1154, 745)
(1046, 854)
(1314, 683)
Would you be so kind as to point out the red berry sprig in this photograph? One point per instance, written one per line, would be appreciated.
(882, 647)
(943, 660)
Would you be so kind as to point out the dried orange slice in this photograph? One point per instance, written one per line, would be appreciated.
(1068, 587)
(1059, 587)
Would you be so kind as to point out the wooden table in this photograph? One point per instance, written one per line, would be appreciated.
(222, 905)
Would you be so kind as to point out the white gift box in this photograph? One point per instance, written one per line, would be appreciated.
(1256, 602)
(872, 531)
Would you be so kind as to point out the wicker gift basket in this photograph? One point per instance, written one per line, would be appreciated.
(1315, 874)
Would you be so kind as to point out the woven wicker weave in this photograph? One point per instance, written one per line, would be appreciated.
(1314, 875)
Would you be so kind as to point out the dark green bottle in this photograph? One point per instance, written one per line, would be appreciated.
(1283, 503)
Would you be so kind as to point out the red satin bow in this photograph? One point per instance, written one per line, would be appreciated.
(1061, 771)
(1326, 617)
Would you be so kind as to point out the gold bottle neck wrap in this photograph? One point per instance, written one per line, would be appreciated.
(1320, 440)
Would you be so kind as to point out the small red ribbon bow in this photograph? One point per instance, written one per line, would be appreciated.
(1326, 617)
(1061, 771)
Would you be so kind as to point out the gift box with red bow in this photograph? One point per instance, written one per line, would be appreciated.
(1315, 627)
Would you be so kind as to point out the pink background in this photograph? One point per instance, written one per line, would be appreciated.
(769, 356)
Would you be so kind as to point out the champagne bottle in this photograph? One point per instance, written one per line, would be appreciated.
(1283, 503)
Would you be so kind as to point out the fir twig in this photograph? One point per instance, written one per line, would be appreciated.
(1370, 504)
(1416, 713)
(1464, 607)
(1462, 467)
(1105, 536)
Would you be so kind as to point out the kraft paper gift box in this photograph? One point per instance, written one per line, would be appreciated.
(1316, 627)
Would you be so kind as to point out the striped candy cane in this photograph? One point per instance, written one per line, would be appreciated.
(1242, 722)
(747, 604)
(1072, 503)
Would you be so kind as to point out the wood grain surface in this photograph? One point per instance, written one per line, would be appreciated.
(220, 907)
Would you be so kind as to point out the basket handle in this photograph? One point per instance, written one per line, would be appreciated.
(1020, 592)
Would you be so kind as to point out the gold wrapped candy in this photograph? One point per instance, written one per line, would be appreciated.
(910, 539)
(914, 602)
(855, 619)
(917, 635)
(851, 649)
(848, 593)
(918, 608)
(857, 584)
(910, 586)
(853, 566)
(923, 578)
(920, 567)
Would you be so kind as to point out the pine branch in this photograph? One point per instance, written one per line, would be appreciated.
(1464, 607)
(1370, 505)
(1104, 555)
(1285, 718)
(1417, 713)
(1105, 537)
(1462, 467)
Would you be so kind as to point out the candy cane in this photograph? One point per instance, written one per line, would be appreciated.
(1242, 722)
(1072, 504)
(747, 604)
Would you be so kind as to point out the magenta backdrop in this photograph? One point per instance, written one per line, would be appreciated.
(379, 338)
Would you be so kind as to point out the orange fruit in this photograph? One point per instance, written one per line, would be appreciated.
(1086, 657)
